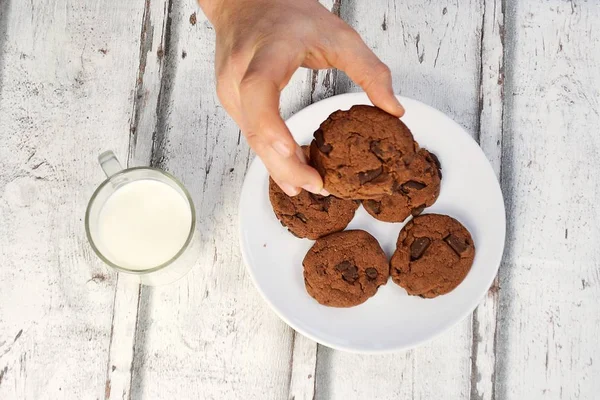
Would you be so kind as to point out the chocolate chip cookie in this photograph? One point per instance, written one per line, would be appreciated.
(412, 196)
(434, 254)
(344, 269)
(309, 215)
(362, 153)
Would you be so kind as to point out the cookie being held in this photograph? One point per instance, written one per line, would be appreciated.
(309, 215)
(412, 196)
(362, 153)
(434, 254)
(344, 269)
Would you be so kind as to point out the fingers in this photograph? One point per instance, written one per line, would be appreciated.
(268, 72)
(354, 57)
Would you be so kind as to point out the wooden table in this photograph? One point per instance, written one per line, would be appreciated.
(79, 77)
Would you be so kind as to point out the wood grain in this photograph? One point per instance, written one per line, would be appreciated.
(491, 103)
(78, 78)
(209, 335)
(154, 28)
(550, 282)
(68, 69)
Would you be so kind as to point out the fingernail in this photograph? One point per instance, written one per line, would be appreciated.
(401, 109)
(300, 155)
(289, 189)
(312, 188)
(324, 192)
(282, 148)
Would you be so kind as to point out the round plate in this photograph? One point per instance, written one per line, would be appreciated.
(390, 320)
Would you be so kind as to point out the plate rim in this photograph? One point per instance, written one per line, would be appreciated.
(362, 98)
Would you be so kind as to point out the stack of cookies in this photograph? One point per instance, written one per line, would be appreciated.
(368, 156)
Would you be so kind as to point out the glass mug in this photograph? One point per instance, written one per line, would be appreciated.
(139, 226)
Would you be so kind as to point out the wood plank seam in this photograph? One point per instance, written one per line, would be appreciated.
(137, 313)
(291, 367)
(107, 387)
(146, 34)
(489, 135)
(166, 89)
(494, 290)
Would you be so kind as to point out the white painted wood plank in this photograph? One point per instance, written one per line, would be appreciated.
(483, 357)
(434, 53)
(210, 335)
(154, 27)
(66, 92)
(439, 367)
(144, 116)
(550, 284)
(122, 338)
(303, 373)
(492, 83)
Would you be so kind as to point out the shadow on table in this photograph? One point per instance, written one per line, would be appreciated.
(4, 12)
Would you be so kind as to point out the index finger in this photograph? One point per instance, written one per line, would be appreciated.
(355, 58)
(267, 74)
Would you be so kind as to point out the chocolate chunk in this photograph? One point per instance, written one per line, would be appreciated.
(368, 176)
(351, 274)
(381, 179)
(440, 173)
(457, 244)
(343, 266)
(371, 273)
(319, 202)
(414, 185)
(417, 211)
(376, 149)
(301, 217)
(321, 145)
(384, 154)
(418, 247)
(374, 206)
(435, 160)
(399, 188)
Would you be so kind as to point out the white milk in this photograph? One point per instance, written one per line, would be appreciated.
(143, 224)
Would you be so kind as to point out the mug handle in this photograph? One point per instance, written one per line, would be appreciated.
(109, 163)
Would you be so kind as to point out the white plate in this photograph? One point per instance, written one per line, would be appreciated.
(390, 320)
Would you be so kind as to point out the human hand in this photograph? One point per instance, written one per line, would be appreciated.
(260, 44)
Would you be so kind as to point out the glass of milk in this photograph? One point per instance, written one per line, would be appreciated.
(141, 221)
